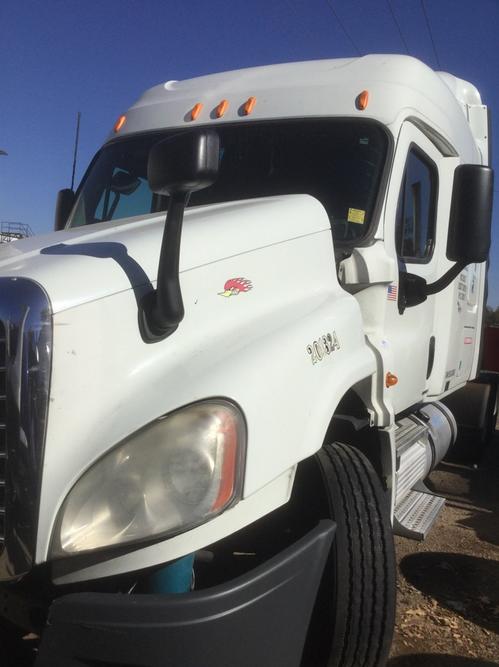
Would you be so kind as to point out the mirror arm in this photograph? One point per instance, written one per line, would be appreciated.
(446, 279)
(414, 289)
(163, 309)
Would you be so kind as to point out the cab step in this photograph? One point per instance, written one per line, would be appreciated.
(416, 513)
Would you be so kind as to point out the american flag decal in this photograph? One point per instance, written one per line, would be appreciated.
(392, 292)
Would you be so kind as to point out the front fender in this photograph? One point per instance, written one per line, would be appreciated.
(251, 348)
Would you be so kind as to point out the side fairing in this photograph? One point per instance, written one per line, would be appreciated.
(256, 347)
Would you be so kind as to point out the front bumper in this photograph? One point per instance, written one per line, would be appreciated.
(260, 619)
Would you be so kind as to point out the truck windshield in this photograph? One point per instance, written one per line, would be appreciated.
(339, 162)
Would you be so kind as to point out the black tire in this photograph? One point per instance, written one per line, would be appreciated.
(352, 624)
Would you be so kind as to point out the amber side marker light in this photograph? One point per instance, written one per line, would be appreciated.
(119, 123)
(249, 105)
(390, 380)
(221, 108)
(362, 100)
(196, 110)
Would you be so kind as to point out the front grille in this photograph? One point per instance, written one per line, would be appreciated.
(3, 432)
(25, 365)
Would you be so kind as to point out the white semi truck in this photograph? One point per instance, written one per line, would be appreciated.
(210, 428)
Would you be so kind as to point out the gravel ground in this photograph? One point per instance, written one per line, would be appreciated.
(448, 585)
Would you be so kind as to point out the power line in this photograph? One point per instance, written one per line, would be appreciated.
(347, 35)
(431, 34)
(398, 26)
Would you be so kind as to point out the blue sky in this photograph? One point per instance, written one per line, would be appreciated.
(58, 57)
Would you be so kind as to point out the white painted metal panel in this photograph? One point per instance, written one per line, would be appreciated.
(87, 263)
(250, 348)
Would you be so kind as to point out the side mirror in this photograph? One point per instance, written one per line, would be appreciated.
(184, 163)
(468, 240)
(177, 166)
(64, 204)
(470, 215)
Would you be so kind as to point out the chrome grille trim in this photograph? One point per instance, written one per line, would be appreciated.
(3, 433)
(25, 366)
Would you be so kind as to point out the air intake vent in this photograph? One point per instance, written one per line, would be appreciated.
(3, 433)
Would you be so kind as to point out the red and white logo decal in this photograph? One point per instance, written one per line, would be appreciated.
(235, 286)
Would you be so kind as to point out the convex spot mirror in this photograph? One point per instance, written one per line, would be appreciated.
(64, 204)
(123, 183)
(470, 214)
(184, 163)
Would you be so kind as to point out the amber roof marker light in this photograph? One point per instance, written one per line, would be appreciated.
(362, 100)
(196, 110)
(221, 108)
(119, 123)
(249, 105)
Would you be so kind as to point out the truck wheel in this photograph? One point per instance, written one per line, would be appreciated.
(352, 623)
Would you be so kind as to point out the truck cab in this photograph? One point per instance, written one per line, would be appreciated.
(222, 372)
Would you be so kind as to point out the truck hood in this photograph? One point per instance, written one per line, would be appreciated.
(80, 265)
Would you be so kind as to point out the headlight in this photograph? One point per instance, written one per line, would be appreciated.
(175, 473)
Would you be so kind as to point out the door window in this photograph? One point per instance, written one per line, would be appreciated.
(415, 225)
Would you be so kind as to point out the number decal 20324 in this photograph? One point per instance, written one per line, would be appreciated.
(323, 346)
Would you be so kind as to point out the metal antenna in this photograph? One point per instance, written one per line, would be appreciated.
(77, 138)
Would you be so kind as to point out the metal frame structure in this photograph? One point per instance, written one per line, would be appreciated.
(13, 231)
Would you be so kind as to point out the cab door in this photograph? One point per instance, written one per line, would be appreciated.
(414, 211)
(458, 316)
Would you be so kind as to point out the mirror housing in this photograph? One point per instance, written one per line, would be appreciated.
(468, 238)
(123, 183)
(63, 206)
(184, 163)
